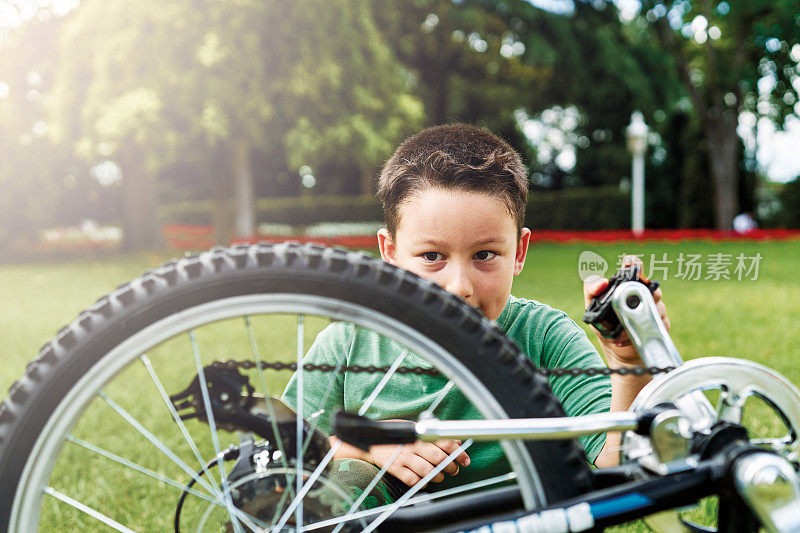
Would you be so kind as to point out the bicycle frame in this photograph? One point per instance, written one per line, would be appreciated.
(678, 472)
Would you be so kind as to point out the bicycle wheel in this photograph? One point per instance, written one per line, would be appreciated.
(91, 434)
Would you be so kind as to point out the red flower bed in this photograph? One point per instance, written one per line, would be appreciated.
(348, 241)
(675, 235)
(199, 236)
(664, 235)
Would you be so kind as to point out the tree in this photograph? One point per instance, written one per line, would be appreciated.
(285, 85)
(731, 57)
(497, 62)
(35, 173)
(466, 58)
(119, 95)
(157, 80)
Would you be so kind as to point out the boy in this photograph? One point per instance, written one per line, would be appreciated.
(454, 203)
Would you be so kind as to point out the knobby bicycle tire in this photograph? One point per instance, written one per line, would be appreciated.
(547, 471)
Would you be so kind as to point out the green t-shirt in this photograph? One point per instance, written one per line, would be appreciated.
(549, 337)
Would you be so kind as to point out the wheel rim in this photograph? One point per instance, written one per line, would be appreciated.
(47, 449)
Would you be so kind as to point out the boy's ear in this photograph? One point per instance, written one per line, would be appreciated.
(386, 246)
(522, 250)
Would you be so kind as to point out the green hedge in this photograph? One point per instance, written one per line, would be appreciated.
(570, 209)
(187, 212)
(307, 210)
(789, 215)
(584, 208)
(295, 211)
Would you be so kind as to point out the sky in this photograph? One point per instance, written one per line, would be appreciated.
(778, 151)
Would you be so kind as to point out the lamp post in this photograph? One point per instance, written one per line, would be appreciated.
(637, 144)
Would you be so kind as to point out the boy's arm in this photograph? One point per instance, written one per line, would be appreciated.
(620, 353)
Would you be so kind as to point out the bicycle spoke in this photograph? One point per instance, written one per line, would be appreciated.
(367, 402)
(267, 396)
(299, 435)
(417, 487)
(170, 454)
(302, 491)
(368, 488)
(305, 487)
(252, 522)
(155, 442)
(282, 501)
(328, 392)
(364, 408)
(164, 396)
(141, 469)
(422, 498)
(475, 485)
(382, 383)
(311, 431)
(436, 401)
(214, 435)
(301, 352)
(87, 510)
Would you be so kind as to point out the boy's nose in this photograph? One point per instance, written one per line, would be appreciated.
(459, 283)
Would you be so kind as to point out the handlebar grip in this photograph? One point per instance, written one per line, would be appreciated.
(364, 432)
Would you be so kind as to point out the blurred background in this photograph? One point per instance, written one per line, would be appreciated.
(125, 125)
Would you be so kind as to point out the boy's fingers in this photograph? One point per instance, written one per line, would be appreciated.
(434, 455)
(422, 468)
(592, 286)
(404, 474)
(623, 340)
(449, 446)
(657, 294)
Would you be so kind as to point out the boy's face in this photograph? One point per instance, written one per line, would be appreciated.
(465, 242)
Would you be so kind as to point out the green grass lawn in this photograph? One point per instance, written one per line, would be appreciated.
(749, 318)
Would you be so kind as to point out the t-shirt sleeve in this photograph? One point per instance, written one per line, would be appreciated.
(323, 392)
(566, 346)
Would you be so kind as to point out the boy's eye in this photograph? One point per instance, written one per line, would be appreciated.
(432, 256)
(483, 255)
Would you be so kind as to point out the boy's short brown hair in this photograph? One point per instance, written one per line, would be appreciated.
(454, 156)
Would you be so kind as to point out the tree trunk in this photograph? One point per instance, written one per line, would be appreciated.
(367, 182)
(723, 152)
(245, 196)
(223, 214)
(139, 203)
(437, 99)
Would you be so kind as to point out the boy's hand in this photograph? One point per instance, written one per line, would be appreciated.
(620, 351)
(417, 460)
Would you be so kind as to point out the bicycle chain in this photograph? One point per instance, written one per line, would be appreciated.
(418, 370)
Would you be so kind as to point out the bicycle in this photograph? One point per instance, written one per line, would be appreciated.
(111, 390)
